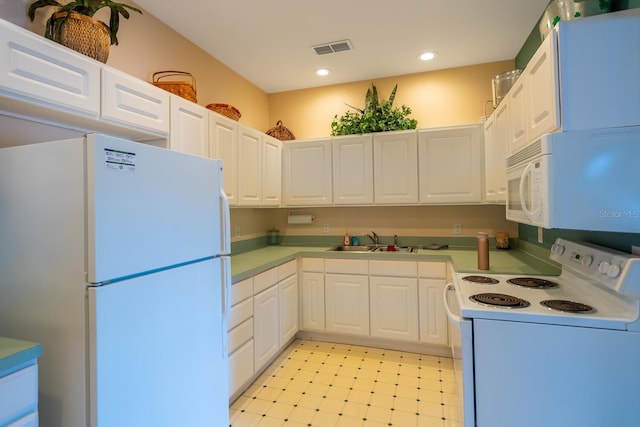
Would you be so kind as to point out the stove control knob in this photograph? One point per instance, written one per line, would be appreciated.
(587, 261)
(604, 267)
(557, 249)
(614, 271)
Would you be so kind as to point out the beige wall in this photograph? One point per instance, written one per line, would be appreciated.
(414, 221)
(437, 98)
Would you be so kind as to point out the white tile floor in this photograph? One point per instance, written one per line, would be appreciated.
(322, 384)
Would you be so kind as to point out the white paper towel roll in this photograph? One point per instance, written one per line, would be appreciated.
(300, 219)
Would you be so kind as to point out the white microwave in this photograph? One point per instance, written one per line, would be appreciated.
(579, 180)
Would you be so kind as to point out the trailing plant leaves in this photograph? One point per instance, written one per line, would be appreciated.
(375, 117)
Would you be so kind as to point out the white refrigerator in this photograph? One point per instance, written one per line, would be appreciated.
(112, 257)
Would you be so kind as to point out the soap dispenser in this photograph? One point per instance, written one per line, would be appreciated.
(346, 241)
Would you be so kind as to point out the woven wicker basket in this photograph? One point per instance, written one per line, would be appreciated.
(226, 110)
(281, 132)
(184, 89)
(84, 34)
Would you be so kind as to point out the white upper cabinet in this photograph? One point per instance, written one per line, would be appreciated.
(223, 144)
(134, 103)
(541, 111)
(353, 170)
(249, 166)
(271, 171)
(40, 72)
(494, 163)
(450, 164)
(189, 127)
(306, 172)
(395, 167)
(520, 119)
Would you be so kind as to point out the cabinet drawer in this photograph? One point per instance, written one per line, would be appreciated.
(239, 313)
(19, 393)
(437, 270)
(264, 280)
(393, 268)
(134, 103)
(240, 335)
(38, 70)
(240, 367)
(346, 266)
(287, 269)
(313, 264)
(241, 291)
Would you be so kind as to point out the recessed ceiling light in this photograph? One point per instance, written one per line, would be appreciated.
(428, 56)
(323, 71)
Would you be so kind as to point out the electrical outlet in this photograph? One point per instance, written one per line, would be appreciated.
(635, 250)
(237, 231)
(325, 228)
(457, 228)
(540, 235)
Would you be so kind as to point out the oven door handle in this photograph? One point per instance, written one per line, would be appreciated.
(455, 319)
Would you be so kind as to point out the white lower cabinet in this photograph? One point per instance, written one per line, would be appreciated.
(288, 301)
(19, 397)
(266, 326)
(312, 298)
(433, 318)
(347, 303)
(240, 336)
(394, 300)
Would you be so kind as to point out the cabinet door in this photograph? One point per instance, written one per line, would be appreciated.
(352, 170)
(541, 76)
(134, 103)
(433, 319)
(450, 162)
(395, 167)
(249, 166)
(394, 308)
(518, 137)
(240, 367)
(312, 301)
(43, 73)
(288, 295)
(271, 171)
(347, 303)
(495, 167)
(189, 127)
(223, 145)
(306, 179)
(266, 327)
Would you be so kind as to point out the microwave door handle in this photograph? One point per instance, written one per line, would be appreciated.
(455, 319)
(527, 212)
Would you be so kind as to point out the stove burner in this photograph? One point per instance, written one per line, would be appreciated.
(567, 306)
(480, 279)
(532, 282)
(499, 300)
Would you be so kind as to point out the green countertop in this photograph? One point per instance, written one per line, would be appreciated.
(14, 353)
(513, 261)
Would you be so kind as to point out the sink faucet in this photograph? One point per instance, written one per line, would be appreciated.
(395, 240)
(375, 238)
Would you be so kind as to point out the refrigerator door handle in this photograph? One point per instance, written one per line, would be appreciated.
(225, 285)
(225, 235)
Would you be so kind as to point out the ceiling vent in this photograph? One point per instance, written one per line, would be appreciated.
(333, 47)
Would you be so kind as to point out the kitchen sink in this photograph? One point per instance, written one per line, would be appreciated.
(356, 248)
(397, 249)
(376, 248)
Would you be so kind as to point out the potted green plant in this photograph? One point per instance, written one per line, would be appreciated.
(376, 116)
(73, 25)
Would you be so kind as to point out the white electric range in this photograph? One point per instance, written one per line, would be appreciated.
(550, 350)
